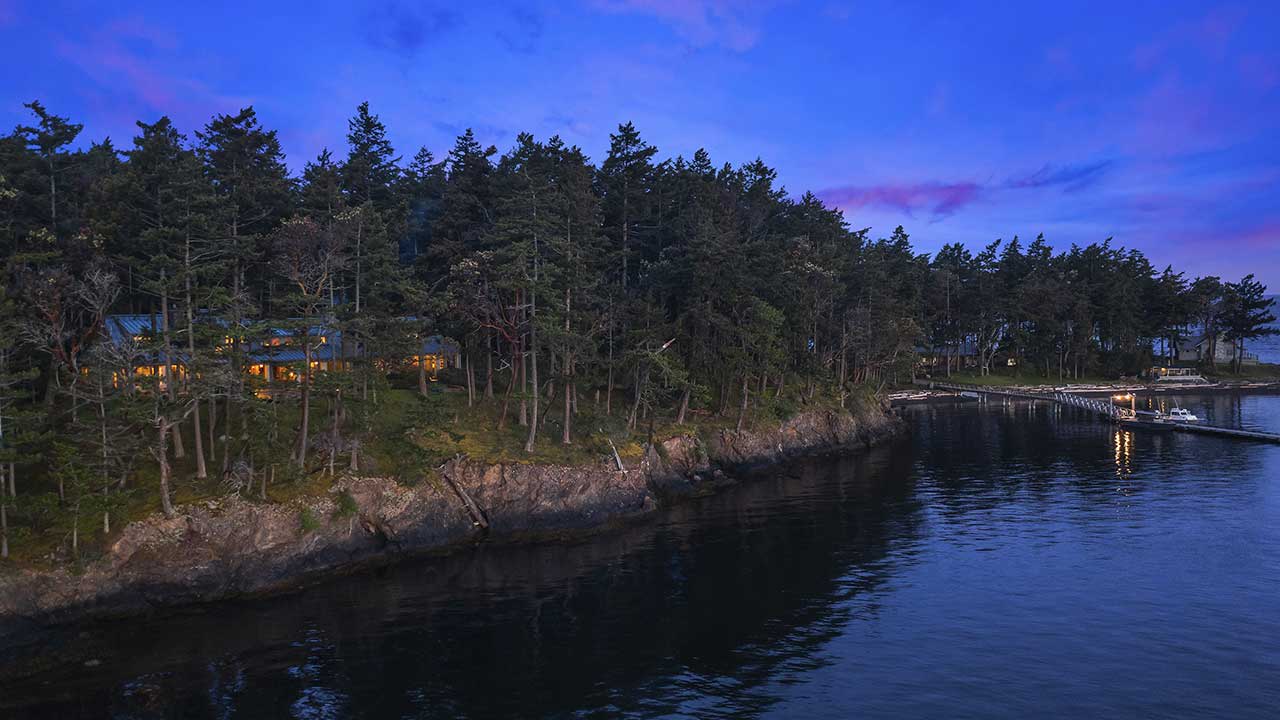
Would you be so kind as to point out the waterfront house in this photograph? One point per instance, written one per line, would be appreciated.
(1223, 351)
(274, 351)
(958, 355)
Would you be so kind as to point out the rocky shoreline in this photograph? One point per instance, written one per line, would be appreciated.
(235, 547)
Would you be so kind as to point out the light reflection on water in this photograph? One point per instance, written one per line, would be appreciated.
(1004, 560)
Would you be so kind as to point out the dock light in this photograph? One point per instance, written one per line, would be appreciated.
(1133, 401)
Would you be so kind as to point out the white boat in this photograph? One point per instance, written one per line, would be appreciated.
(1182, 415)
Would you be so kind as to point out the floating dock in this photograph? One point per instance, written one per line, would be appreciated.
(1105, 409)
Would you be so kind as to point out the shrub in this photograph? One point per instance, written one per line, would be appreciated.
(346, 505)
(307, 520)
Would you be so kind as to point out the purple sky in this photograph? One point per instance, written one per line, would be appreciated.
(1156, 123)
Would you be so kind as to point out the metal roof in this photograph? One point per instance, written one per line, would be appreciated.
(122, 327)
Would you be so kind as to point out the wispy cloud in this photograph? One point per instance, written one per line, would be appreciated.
(938, 199)
(1261, 71)
(1209, 34)
(941, 199)
(702, 23)
(1071, 178)
(404, 28)
(522, 31)
(132, 61)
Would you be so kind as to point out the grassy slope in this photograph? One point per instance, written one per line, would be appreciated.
(407, 437)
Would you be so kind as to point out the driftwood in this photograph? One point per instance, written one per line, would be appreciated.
(478, 516)
(616, 457)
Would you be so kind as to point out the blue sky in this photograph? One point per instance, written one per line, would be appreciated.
(1155, 123)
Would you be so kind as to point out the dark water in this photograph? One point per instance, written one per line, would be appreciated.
(1002, 561)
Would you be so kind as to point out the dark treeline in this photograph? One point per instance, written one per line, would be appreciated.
(627, 289)
(1095, 309)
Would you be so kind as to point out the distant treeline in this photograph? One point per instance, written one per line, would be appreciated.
(638, 285)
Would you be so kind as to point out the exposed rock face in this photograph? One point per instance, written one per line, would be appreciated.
(686, 464)
(235, 547)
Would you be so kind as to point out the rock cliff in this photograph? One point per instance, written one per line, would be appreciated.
(233, 547)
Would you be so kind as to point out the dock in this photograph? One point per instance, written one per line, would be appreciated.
(1105, 410)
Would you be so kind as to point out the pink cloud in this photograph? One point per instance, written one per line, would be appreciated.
(1261, 71)
(1265, 237)
(939, 199)
(1176, 117)
(129, 55)
(702, 23)
(1211, 34)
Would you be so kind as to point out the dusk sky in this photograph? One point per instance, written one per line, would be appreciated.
(1156, 123)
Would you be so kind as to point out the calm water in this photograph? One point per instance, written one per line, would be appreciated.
(1002, 561)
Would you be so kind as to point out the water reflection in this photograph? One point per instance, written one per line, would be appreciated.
(985, 562)
(1237, 410)
(703, 599)
(1123, 442)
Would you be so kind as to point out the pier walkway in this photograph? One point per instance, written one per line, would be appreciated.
(1104, 409)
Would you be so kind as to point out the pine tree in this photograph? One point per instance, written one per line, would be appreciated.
(49, 139)
(1247, 314)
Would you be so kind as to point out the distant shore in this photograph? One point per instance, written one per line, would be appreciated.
(922, 393)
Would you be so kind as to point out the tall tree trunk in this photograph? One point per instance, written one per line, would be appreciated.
(170, 387)
(524, 370)
(359, 258)
(471, 380)
(306, 403)
(608, 388)
(4, 516)
(533, 406)
(684, 405)
(488, 374)
(226, 432)
(533, 361)
(4, 525)
(102, 438)
(422, 374)
(634, 416)
(197, 433)
(506, 398)
(75, 531)
(162, 454)
(566, 432)
(626, 227)
(213, 424)
(742, 409)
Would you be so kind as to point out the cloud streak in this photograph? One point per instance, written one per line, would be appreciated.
(939, 199)
(404, 28)
(730, 24)
(942, 199)
(1071, 178)
(125, 57)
